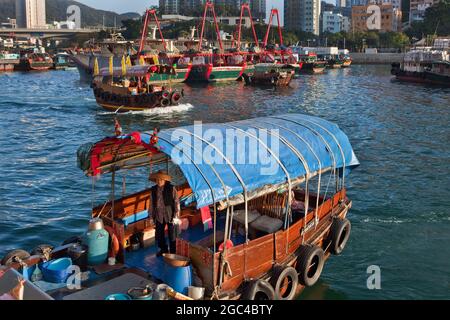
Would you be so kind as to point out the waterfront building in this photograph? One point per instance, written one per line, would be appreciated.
(386, 19)
(171, 7)
(341, 3)
(332, 22)
(302, 15)
(30, 14)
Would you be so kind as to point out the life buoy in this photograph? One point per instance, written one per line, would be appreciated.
(284, 281)
(339, 235)
(114, 246)
(164, 102)
(258, 289)
(309, 264)
(176, 96)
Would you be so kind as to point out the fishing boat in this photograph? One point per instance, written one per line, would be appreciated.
(270, 74)
(129, 89)
(424, 66)
(62, 61)
(344, 56)
(8, 61)
(34, 61)
(248, 231)
(311, 64)
(161, 51)
(212, 64)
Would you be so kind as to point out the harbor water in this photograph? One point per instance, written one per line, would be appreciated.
(401, 192)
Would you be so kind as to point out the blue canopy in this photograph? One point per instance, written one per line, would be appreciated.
(221, 160)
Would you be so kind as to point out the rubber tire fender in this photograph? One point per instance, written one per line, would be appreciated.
(175, 97)
(257, 289)
(165, 94)
(9, 258)
(280, 273)
(164, 102)
(307, 254)
(339, 235)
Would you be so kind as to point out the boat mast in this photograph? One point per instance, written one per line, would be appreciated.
(246, 6)
(209, 5)
(144, 33)
(273, 12)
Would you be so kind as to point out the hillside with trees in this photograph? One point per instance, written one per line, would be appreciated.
(56, 11)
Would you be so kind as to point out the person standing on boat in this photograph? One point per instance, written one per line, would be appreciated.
(165, 206)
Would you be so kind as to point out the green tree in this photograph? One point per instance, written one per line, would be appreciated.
(133, 29)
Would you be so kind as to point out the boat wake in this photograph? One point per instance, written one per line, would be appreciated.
(155, 111)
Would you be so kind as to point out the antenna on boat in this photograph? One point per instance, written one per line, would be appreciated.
(209, 6)
(148, 14)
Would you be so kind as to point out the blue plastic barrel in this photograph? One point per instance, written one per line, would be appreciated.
(56, 271)
(97, 240)
(179, 278)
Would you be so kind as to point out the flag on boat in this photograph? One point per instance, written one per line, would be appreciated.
(128, 61)
(124, 66)
(141, 60)
(96, 68)
(111, 65)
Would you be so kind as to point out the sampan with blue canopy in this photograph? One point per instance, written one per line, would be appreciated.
(224, 160)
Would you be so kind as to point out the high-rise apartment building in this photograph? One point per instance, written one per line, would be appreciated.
(302, 15)
(30, 14)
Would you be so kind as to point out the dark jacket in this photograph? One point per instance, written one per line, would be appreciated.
(170, 203)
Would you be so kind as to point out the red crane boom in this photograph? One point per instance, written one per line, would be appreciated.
(148, 14)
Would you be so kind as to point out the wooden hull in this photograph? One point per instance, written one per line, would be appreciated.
(421, 77)
(313, 68)
(26, 65)
(125, 103)
(8, 65)
(346, 64)
(273, 81)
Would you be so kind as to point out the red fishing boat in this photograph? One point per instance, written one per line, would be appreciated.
(34, 61)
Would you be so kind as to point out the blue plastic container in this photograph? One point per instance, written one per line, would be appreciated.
(56, 271)
(179, 278)
(97, 241)
(118, 296)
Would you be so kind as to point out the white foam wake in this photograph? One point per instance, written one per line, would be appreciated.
(155, 111)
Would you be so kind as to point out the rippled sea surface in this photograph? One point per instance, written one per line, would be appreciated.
(401, 192)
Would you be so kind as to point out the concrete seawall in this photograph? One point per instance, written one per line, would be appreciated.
(376, 58)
